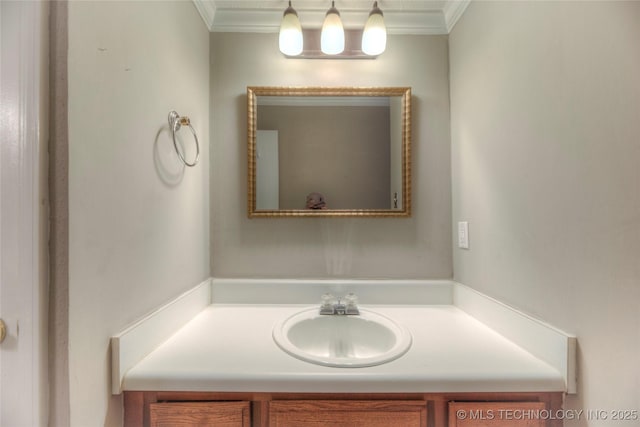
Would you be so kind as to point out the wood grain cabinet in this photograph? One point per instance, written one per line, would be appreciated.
(347, 413)
(498, 414)
(200, 414)
(261, 409)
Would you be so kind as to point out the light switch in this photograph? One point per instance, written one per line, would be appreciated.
(463, 235)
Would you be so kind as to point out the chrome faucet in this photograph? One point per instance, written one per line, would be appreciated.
(347, 305)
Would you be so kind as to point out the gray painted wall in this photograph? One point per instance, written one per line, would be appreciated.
(545, 112)
(419, 246)
(138, 221)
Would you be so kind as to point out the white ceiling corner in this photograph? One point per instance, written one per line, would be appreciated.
(401, 16)
(453, 10)
(207, 11)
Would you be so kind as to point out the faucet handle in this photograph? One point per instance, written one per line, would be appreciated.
(351, 303)
(351, 299)
(328, 299)
(328, 302)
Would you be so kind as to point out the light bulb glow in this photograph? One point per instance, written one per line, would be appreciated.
(374, 37)
(290, 39)
(332, 37)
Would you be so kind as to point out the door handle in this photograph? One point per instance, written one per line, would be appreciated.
(3, 330)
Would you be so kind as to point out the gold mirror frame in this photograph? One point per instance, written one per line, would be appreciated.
(252, 121)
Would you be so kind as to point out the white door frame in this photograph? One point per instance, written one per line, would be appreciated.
(23, 134)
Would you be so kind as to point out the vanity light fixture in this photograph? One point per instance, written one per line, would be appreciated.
(290, 33)
(374, 38)
(332, 41)
(332, 36)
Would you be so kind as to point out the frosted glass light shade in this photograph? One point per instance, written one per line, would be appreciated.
(332, 37)
(374, 37)
(290, 40)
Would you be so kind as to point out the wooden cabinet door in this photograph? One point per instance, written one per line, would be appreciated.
(347, 413)
(200, 414)
(497, 414)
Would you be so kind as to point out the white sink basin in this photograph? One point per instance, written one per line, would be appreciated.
(366, 339)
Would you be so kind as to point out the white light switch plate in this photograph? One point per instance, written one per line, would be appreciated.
(463, 235)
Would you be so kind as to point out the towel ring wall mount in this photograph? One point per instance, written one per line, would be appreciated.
(175, 123)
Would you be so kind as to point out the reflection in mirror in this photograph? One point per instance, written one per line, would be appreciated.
(329, 151)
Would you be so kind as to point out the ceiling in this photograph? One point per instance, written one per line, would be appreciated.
(401, 16)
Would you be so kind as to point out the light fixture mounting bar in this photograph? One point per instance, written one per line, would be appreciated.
(352, 48)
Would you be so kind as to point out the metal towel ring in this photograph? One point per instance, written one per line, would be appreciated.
(175, 123)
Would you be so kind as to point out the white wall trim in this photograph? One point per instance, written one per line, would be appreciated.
(555, 347)
(207, 11)
(267, 20)
(23, 132)
(134, 343)
(453, 10)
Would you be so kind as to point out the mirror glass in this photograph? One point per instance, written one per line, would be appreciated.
(329, 151)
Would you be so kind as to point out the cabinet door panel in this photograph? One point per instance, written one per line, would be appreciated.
(497, 414)
(347, 413)
(201, 414)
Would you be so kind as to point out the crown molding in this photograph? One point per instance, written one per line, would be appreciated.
(453, 10)
(226, 18)
(207, 10)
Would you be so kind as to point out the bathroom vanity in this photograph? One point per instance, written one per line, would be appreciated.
(224, 367)
(348, 409)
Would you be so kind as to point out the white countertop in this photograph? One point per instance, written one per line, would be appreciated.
(229, 348)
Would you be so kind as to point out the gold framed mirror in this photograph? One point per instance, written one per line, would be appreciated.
(329, 151)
